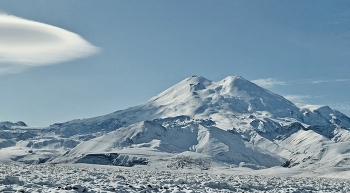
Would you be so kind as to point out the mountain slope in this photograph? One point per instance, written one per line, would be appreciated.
(209, 140)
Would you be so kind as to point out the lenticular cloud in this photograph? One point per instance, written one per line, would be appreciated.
(25, 44)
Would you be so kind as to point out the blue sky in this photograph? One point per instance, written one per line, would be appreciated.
(298, 49)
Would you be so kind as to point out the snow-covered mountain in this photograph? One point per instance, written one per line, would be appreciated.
(232, 122)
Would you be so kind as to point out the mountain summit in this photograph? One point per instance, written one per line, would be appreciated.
(199, 96)
(226, 102)
(232, 121)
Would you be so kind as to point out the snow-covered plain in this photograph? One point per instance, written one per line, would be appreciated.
(85, 178)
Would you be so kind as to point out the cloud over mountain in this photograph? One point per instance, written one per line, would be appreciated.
(269, 82)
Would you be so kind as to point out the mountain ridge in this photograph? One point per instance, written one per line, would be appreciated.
(201, 98)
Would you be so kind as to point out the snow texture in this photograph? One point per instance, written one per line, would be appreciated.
(55, 178)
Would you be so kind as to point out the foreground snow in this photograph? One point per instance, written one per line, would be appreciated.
(89, 178)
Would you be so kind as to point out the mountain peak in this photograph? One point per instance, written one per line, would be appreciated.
(225, 102)
(237, 85)
(195, 80)
(228, 80)
(232, 78)
(198, 96)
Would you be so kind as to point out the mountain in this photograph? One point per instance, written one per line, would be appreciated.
(232, 121)
(232, 98)
(10, 124)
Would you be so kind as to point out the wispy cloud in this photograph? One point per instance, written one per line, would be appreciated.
(268, 82)
(26, 44)
(298, 98)
(327, 81)
(272, 82)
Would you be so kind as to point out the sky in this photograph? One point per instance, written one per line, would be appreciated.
(64, 60)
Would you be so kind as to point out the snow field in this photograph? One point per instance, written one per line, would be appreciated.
(88, 178)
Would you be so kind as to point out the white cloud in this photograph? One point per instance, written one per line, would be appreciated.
(297, 98)
(25, 44)
(271, 82)
(326, 81)
(268, 82)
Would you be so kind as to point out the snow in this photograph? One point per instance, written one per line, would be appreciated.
(84, 178)
(198, 135)
(219, 144)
